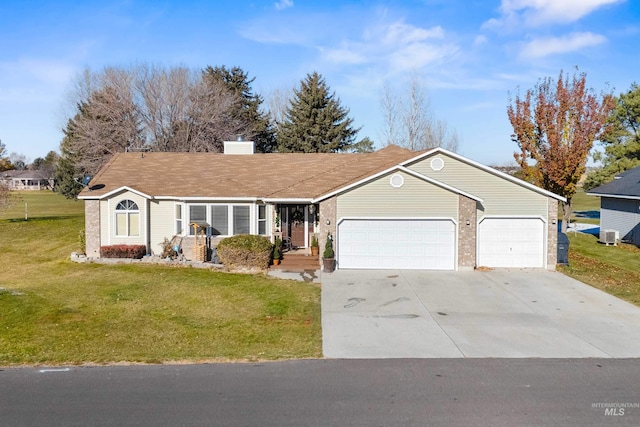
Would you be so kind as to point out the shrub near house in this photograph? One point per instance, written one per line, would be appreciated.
(123, 251)
(245, 251)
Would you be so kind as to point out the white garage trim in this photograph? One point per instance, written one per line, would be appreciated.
(385, 242)
(505, 241)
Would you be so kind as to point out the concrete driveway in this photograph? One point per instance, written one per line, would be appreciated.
(500, 313)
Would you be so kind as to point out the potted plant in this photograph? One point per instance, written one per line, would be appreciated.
(277, 251)
(315, 247)
(328, 255)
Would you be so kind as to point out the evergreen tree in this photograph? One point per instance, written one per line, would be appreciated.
(248, 110)
(621, 142)
(315, 122)
(69, 173)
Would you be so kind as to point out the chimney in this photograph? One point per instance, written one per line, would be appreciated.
(239, 146)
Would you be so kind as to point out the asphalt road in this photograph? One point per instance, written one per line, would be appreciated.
(392, 392)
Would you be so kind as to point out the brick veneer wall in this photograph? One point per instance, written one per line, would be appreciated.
(327, 212)
(92, 228)
(467, 234)
(552, 234)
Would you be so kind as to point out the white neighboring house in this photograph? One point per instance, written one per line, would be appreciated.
(27, 180)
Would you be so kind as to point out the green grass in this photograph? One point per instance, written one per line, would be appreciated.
(585, 208)
(55, 311)
(613, 269)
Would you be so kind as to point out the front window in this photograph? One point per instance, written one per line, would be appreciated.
(241, 220)
(178, 219)
(198, 214)
(127, 219)
(219, 220)
(262, 220)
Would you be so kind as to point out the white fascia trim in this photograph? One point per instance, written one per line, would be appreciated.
(486, 169)
(540, 217)
(285, 201)
(117, 190)
(614, 196)
(439, 184)
(207, 199)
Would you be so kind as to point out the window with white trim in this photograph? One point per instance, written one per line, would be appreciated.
(262, 220)
(127, 219)
(219, 220)
(198, 214)
(241, 220)
(179, 223)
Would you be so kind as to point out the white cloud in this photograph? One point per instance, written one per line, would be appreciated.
(534, 13)
(542, 47)
(480, 40)
(284, 4)
(398, 46)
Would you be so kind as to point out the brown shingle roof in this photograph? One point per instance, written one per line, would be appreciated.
(206, 175)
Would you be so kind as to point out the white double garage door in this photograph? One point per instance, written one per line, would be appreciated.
(430, 244)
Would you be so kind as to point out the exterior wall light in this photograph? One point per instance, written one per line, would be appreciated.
(328, 222)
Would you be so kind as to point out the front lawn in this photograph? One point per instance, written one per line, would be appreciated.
(613, 269)
(54, 311)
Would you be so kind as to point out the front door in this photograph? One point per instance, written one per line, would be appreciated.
(297, 226)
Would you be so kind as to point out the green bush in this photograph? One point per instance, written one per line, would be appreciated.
(328, 248)
(123, 251)
(277, 248)
(245, 251)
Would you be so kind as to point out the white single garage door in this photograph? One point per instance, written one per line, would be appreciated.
(511, 242)
(396, 244)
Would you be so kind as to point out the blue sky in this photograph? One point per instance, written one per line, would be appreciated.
(470, 54)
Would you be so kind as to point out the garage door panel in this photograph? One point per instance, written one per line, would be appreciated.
(511, 242)
(401, 244)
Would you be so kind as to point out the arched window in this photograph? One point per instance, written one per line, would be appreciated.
(127, 218)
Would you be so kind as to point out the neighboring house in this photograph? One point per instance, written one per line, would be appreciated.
(391, 209)
(620, 205)
(27, 180)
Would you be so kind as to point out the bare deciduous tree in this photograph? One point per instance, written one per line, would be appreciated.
(279, 101)
(147, 107)
(409, 120)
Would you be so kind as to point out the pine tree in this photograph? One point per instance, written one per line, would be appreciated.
(248, 110)
(68, 172)
(315, 122)
(622, 142)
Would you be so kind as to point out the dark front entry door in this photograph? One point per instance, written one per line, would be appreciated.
(296, 221)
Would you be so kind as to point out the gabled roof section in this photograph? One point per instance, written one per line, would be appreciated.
(395, 169)
(480, 166)
(277, 176)
(115, 191)
(624, 186)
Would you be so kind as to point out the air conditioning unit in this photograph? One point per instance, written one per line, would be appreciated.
(609, 237)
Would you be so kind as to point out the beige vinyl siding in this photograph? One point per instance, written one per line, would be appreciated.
(162, 223)
(108, 219)
(500, 196)
(415, 199)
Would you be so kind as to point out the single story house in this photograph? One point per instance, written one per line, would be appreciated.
(620, 206)
(27, 179)
(390, 209)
